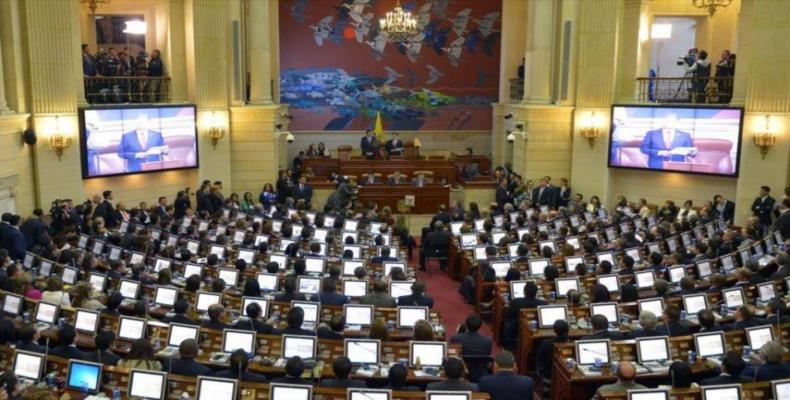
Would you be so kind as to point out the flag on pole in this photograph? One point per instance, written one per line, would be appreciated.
(378, 129)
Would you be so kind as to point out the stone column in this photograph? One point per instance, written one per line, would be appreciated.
(74, 16)
(539, 55)
(175, 62)
(630, 50)
(3, 105)
(259, 39)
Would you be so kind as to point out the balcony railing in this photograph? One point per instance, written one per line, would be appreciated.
(516, 90)
(713, 90)
(127, 89)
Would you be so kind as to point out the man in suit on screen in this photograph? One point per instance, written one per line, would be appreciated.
(659, 143)
(141, 145)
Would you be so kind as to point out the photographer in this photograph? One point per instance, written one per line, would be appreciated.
(725, 71)
(700, 72)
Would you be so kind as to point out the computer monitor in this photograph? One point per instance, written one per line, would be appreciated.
(501, 268)
(97, 281)
(517, 289)
(356, 251)
(654, 305)
(217, 388)
(574, 242)
(652, 349)
(605, 256)
(278, 391)
(280, 259)
(676, 273)
(28, 365)
(548, 314)
(726, 262)
(766, 291)
(409, 315)
(268, 282)
(563, 285)
(319, 234)
(46, 312)
(733, 297)
(12, 303)
(129, 289)
(207, 299)
(390, 265)
(400, 288)
(572, 262)
(130, 328)
(284, 243)
(645, 279)
(311, 310)
(229, 275)
(693, 303)
(781, 389)
(608, 310)
(362, 351)
(611, 281)
(368, 394)
(161, 263)
(355, 288)
(315, 265)
(308, 284)
(537, 266)
(69, 275)
(350, 225)
(436, 395)
(84, 376)
(648, 394)
(759, 335)
(180, 332)
(349, 266)
(547, 243)
(302, 346)
(587, 351)
(165, 296)
(431, 354)
(480, 253)
(710, 344)
(45, 268)
(496, 236)
(193, 269)
(235, 339)
(147, 384)
(86, 321)
(358, 314)
(468, 240)
(722, 392)
(263, 303)
(136, 258)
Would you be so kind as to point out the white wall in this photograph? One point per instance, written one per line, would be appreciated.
(682, 39)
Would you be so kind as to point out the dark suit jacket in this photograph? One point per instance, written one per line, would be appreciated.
(296, 331)
(507, 385)
(257, 326)
(14, 241)
(246, 376)
(67, 352)
(502, 196)
(107, 212)
(653, 142)
(393, 181)
(331, 298)
(305, 193)
(7, 331)
(394, 147)
(181, 319)
(130, 146)
(288, 297)
(379, 300)
(728, 213)
(343, 383)
(762, 209)
(549, 197)
(188, 367)
(215, 325)
(675, 329)
(368, 145)
(723, 380)
(437, 243)
(32, 228)
(292, 381)
(412, 300)
(783, 224)
(107, 357)
(473, 344)
(767, 372)
(30, 346)
(604, 335)
(326, 333)
(452, 385)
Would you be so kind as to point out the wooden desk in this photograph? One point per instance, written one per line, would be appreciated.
(323, 167)
(426, 198)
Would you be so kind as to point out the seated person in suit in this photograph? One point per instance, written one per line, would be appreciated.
(505, 384)
(180, 310)
(775, 310)
(472, 342)
(744, 318)
(397, 379)
(648, 321)
(417, 296)
(295, 319)
(510, 317)
(216, 315)
(185, 364)
(141, 145)
(707, 321)
(385, 256)
(379, 296)
(396, 179)
(600, 327)
(289, 293)
(420, 180)
(294, 369)
(772, 367)
(394, 146)
(370, 179)
(253, 321)
(732, 367)
(335, 329)
(27, 339)
(626, 372)
(341, 366)
(672, 325)
(659, 143)
(103, 340)
(454, 372)
(329, 293)
(238, 369)
(66, 348)
(546, 348)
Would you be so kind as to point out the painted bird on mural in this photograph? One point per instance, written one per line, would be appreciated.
(322, 30)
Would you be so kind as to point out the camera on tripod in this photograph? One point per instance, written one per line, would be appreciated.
(689, 59)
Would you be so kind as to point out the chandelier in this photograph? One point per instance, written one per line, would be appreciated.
(399, 25)
(711, 5)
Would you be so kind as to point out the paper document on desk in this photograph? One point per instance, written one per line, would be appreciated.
(682, 151)
(409, 200)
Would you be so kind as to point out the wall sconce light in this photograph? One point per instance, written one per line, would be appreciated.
(765, 139)
(215, 131)
(59, 138)
(590, 128)
(519, 131)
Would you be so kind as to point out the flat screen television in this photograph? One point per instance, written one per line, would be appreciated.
(136, 139)
(686, 139)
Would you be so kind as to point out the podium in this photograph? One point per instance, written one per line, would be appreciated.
(411, 149)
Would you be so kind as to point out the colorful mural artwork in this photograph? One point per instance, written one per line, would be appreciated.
(337, 69)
